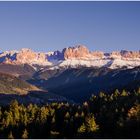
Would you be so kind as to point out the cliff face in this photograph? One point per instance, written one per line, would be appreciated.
(24, 56)
(76, 52)
(82, 52)
(72, 56)
(130, 54)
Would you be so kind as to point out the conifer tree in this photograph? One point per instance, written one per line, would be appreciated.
(90, 123)
(76, 115)
(14, 108)
(14, 104)
(82, 128)
(101, 95)
(25, 134)
(85, 104)
(10, 136)
(67, 115)
(82, 114)
(53, 120)
(124, 93)
(138, 91)
(44, 113)
(116, 93)
(7, 119)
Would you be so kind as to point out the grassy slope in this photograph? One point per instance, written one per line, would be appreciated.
(12, 85)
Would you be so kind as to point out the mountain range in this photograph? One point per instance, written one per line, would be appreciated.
(72, 57)
(73, 74)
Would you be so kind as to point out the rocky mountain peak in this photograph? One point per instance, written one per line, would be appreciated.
(72, 57)
(25, 55)
(130, 54)
(79, 51)
(98, 54)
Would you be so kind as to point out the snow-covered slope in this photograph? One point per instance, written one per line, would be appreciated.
(78, 56)
(113, 64)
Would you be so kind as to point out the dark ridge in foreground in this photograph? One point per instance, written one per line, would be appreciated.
(34, 97)
(79, 84)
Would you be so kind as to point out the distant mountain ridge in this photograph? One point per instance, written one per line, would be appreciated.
(72, 57)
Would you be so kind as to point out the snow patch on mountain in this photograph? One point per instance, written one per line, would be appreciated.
(72, 57)
(118, 63)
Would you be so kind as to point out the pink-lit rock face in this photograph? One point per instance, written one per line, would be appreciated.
(125, 54)
(97, 54)
(81, 52)
(25, 55)
(76, 52)
(115, 54)
(29, 56)
(41, 57)
(73, 57)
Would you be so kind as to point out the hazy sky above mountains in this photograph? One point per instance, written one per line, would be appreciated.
(48, 26)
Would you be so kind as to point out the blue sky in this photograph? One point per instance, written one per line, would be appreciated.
(48, 26)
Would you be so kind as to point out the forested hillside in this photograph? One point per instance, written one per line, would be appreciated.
(113, 115)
